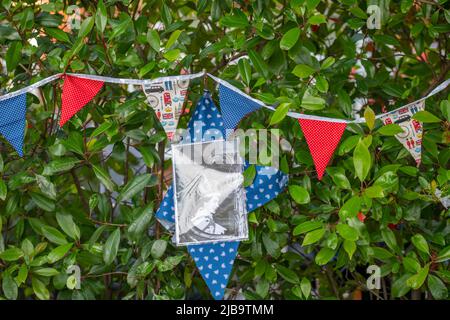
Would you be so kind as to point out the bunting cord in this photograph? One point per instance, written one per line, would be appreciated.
(143, 82)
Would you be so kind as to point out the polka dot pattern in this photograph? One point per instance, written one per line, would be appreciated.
(234, 106)
(322, 138)
(12, 121)
(76, 93)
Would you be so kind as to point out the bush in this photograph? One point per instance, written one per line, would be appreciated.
(59, 203)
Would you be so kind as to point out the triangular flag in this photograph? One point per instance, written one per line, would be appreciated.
(76, 93)
(322, 137)
(12, 121)
(215, 262)
(411, 137)
(234, 106)
(167, 99)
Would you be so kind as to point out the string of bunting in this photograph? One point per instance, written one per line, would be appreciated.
(166, 96)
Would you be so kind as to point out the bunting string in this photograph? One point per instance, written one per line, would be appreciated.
(141, 82)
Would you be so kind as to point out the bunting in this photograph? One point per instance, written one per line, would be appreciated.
(235, 106)
(12, 121)
(322, 138)
(411, 137)
(76, 93)
(167, 99)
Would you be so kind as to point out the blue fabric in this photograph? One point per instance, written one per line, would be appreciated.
(215, 260)
(234, 106)
(12, 121)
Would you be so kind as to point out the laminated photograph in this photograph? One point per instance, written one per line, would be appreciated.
(209, 192)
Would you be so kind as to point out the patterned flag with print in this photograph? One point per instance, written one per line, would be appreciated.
(411, 137)
(167, 99)
(234, 106)
(322, 138)
(76, 93)
(12, 121)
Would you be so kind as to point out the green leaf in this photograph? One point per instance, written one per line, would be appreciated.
(245, 70)
(66, 223)
(9, 286)
(438, 289)
(390, 129)
(290, 38)
(305, 286)
(43, 202)
(101, 17)
(158, 248)
(312, 103)
(350, 208)
(374, 192)
(111, 247)
(46, 272)
(328, 62)
(136, 185)
(259, 63)
(154, 40)
(303, 71)
(287, 274)
(54, 235)
(101, 128)
(86, 27)
(39, 289)
(299, 194)
(46, 186)
(324, 256)
(306, 227)
(317, 19)
(389, 238)
(104, 178)
(237, 20)
(3, 190)
(59, 252)
(172, 55)
(58, 34)
(443, 255)
(313, 236)
(369, 116)
(13, 55)
(347, 232)
(350, 248)
(411, 264)
(417, 280)
(420, 243)
(11, 254)
(321, 84)
(280, 113)
(399, 287)
(59, 165)
(339, 178)
(173, 38)
(381, 253)
(139, 225)
(361, 160)
(426, 117)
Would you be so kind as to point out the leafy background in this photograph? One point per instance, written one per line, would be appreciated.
(85, 194)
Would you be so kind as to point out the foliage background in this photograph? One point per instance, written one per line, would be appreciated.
(82, 195)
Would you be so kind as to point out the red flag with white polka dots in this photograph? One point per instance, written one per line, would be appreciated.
(76, 93)
(322, 138)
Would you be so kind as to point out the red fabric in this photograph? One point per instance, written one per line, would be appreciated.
(76, 93)
(322, 138)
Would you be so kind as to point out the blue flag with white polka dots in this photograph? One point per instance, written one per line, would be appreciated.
(215, 260)
(12, 121)
(234, 106)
